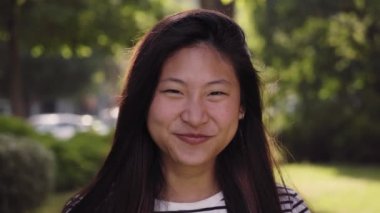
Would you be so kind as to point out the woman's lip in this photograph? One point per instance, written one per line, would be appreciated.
(193, 138)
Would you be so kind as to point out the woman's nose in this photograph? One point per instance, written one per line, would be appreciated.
(195, 113)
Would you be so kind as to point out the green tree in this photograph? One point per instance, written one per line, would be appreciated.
(225, 6)
(322, 62)
(52, 48)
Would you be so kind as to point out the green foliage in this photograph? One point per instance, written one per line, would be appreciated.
(18, 127)
(79, 158)
(60, 53)
(322, 59)
(83, 27)
(26, 174)
(15, 126)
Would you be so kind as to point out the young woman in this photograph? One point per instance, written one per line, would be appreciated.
(190, 135)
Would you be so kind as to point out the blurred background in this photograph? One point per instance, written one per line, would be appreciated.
(62, 64)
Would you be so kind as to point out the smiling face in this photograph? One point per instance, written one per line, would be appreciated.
(196, 107)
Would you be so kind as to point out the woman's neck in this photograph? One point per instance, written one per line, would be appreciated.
(189, 184)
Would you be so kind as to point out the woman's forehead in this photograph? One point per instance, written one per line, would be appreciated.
(193, 62)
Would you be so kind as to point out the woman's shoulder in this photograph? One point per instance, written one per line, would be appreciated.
(71, 203)
(291, 201)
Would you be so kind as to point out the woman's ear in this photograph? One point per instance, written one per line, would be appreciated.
(241, 113)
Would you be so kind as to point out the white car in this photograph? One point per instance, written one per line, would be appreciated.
(65, 125)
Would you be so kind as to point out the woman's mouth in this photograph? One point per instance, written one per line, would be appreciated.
(193, 139)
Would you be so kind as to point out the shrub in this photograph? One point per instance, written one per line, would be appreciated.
(79, 158)
(26, 174)
(19, 127)
(16, 126)
(353, 139)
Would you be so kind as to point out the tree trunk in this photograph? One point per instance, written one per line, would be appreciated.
(227, 9)
(15, 79)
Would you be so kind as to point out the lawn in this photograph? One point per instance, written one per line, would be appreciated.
(326, 188)
(55, 203)
(336, 188)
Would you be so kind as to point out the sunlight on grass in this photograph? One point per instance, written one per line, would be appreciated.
(335, 188)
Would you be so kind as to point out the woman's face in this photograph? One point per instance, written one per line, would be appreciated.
(196, 107)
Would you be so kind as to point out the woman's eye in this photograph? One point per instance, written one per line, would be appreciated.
(171, 91)
(217, 93)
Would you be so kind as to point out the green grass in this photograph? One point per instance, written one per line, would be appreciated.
(326, 188)
(55, 203)
(336, 188)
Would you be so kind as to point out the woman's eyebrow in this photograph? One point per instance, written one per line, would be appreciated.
(171, 79)
(219, 81)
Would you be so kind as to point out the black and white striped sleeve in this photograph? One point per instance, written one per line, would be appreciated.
(291, 202)
(71, 203)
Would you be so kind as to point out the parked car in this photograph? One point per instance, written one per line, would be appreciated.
(109, 116)
(66, 125)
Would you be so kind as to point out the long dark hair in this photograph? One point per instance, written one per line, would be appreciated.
(131, 177)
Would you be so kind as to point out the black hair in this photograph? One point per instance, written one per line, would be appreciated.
(131, 177)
